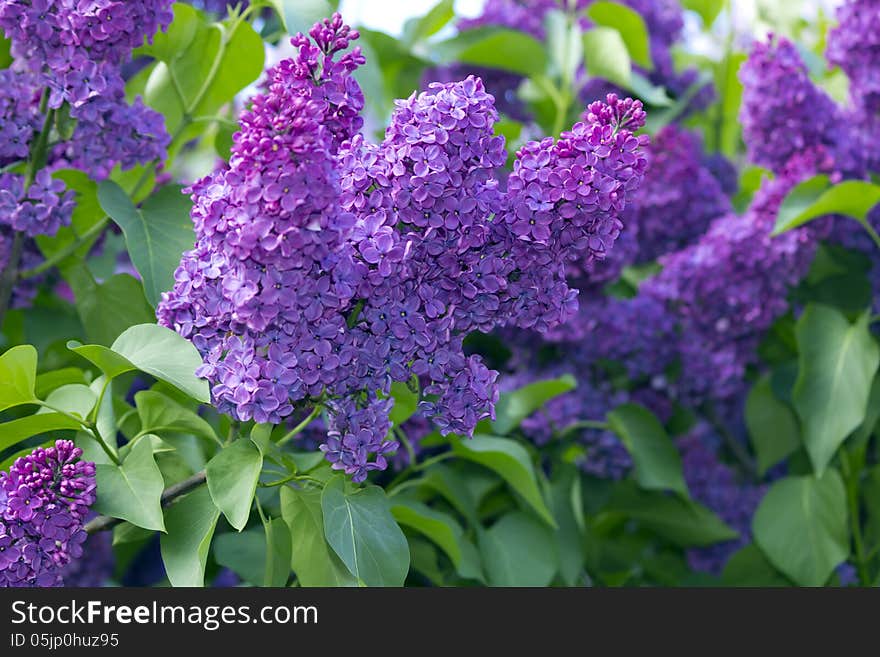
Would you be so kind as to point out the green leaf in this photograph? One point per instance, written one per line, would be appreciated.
(132, 491)
(86, 214)
(773, 426)
(73, 398)
(730, 90)
(406, 402)
(173, 42)
(443, 530)
(156, 235)
(513, 407)
(518, 551)
(312, 558)
(707, 9)
(153, 349)
(361, 530)
(817, 197)
(49, 381)
(190, 524)
(450, 485)
(564, 493)
(837, 363)
(629, 24)
(801, 525)
(300, 15)
(18, 375)
(32, 425)
(564, 43)
(749, 567)
(507, 50)
(606, 55)
(657, 462)
(232, 479)
(418, 29)
(159, 413)
(244, 554)
(278, 553)
(509, 460)
(683, 522)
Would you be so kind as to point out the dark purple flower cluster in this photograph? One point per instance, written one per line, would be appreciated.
(678, 198)
(25, 289)
(40, 210)
(729, 287)
(44, 500)
(95, 566)
(854, 46)
(327, 267)
(782, 111)
(75, 45)
(716, 485)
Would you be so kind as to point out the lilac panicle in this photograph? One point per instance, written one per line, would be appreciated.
(327, 267)
(44, 500)
(854, 46)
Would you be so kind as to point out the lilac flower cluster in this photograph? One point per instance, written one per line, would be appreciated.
(729, 287)
(716, 485)
(39, 210)
(44, 500)
(327, 267)
(782, 111)
(679, 196)
(854, 46)
(95, 566)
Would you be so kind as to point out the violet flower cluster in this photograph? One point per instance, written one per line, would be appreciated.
(327, 267)
(44, 500)
(717, 486)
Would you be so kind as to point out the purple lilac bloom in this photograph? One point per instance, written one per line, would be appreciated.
(716, 485)
(327, 267)
(95, 566)
(782, 111)
(44, 500)
(729, 287)
(854, 46)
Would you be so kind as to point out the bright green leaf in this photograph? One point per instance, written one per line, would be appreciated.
(837, 363)
(312, 558)
(749, 567)
(606, 55)
(629, 24)
(232, 479)
(657, 462)
(515, 406)
(518, 551)
(817, 197)
(801, 525)
(18, 374)
(32, 425)
(132, 491)
(406, 402)
(509, 460)
(363, 533)
(507, 50)
(73, 398)
(190, 524)
(159, 413)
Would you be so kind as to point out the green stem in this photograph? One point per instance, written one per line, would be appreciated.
(293, 477)
(62, 255)
(735, 446)
(585, 424)
(414, 468)
(873, 233)
(407, 445)
(851, 479)
(299, 427)
(89, 427)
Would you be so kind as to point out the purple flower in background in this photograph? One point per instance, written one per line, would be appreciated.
(44, 500)
(854, 46)
(95, 566)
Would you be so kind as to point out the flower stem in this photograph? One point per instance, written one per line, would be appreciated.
(299, 427)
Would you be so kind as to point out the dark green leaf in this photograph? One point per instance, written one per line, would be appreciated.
(513, 407)
(657, 462)
(801, 525)
(511, 462)
(312, 558)
(564, 493)
(190, 524)
(837, 364)
(773, 426)
(244, 554)
(361, 530)
(232, 479)
(133, 491)
(684, 522)
(450, 485)
(518, 551)
(749, 567)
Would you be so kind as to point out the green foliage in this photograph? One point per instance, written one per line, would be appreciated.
(18, 374)
(801, 526)
(837, 364)
(359, 527)
(629, 24)
(606, 55)
(772, 424)
(519, 551)
(515, 406)
(133, 490)
(190, 524)
(507, 50)
(232, 479)
(818, 197)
